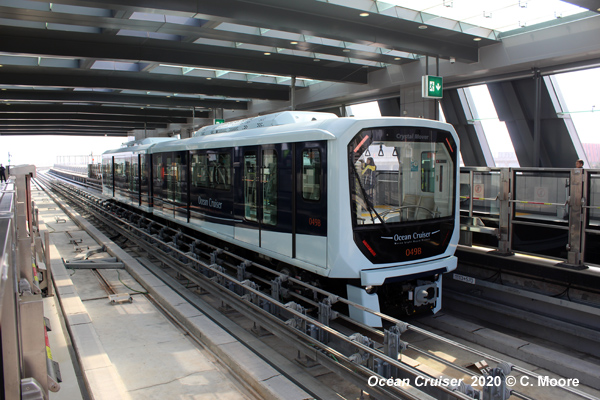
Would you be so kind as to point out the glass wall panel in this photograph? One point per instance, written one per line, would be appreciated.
(495, 130)
(581, 93)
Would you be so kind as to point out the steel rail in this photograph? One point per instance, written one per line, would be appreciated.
(401, 324)
(223, 292)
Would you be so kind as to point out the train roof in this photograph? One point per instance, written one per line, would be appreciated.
(286, 127)
(283, 127)
(275, 119)
(139, 146)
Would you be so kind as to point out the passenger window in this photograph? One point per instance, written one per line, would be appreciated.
(212, 170)
(269, 179)
(199, 170)
(427, 171)
(220, 168)
(134, 183)
(250, 195)
(107, 172)
(311, 174)
(170, 175)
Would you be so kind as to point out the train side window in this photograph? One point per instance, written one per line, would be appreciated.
(311, 174)
(250, 194)
(107, 168)
(221, 170)
(269, 179)
(144, 170)
(159, 171)
(199, 170)
(134, 181)
(169, 175)
(212, 170)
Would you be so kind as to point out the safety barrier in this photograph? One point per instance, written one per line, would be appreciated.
(541, 211)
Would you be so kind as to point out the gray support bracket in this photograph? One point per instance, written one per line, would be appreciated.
(326, 314)
(575, 201)
(296, 322)
(497, 389)
(363, 357)
(32, 390)
(275, 293)
(393, 347)
(504, 244)
(214, 256)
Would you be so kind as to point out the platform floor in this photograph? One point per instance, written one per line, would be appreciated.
(122, 351)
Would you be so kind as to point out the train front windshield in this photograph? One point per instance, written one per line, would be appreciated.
(402, 174)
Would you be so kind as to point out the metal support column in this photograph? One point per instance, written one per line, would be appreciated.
(504, 244)
(576, 199)
(537, 118)
(293, 94)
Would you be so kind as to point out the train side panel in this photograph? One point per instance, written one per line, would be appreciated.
(311, 203)
(211, 190)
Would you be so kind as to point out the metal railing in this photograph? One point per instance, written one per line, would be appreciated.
(541, 211)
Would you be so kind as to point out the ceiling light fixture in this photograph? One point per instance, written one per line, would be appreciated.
(477, 39)
(267, 53)
(294, 42)
(422, 26)
(364, 14)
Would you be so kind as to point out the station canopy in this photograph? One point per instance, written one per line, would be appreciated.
(110, 67)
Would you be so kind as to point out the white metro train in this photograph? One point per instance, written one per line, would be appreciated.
(369, 205)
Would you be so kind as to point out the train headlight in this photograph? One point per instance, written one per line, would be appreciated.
(371, 289)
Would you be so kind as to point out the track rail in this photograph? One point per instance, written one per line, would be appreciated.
(309, 323)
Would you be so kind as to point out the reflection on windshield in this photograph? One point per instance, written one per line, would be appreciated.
(394, 181)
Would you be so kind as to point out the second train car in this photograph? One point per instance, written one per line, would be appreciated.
(368, 203)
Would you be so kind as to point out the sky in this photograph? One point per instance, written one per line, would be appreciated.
(45, 151)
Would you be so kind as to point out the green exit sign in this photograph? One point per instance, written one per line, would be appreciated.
(432, 87)
(219, 121)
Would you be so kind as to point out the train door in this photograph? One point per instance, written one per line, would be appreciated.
(265, 198)
(310, 209)
(276, 201)
(444, 182)
(248, 229)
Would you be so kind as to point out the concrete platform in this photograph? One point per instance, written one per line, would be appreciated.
(133, 350)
